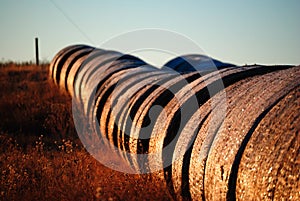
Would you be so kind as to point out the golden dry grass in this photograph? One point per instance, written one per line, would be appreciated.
(41, 157)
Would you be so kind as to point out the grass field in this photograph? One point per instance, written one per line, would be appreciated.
(41, 157)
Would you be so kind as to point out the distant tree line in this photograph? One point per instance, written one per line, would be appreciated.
(4, 63)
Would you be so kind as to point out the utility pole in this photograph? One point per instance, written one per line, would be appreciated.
(37, 51)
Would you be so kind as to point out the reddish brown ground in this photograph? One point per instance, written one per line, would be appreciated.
(41, 157)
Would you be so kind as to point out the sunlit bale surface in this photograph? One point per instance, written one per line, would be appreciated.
(225, 132)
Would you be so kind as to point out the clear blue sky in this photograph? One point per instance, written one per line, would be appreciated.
(253, 31)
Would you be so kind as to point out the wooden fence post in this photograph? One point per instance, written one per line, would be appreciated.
(37, 51)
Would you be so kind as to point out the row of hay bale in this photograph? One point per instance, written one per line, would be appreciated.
(219, 132)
